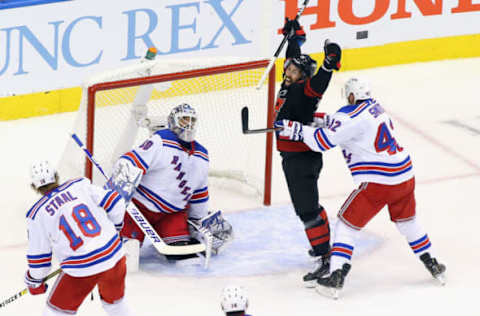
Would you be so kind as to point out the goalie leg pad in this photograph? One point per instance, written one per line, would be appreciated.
(132, 253)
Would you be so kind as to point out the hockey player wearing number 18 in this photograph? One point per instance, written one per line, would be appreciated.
(173, 191)
(297, 100)
(78, 223)
(381, 167)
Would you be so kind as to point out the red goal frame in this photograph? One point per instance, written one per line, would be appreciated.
(92, 90)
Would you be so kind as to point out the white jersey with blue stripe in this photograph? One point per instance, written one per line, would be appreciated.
(79, 223)
(174, 177)
(367, 137)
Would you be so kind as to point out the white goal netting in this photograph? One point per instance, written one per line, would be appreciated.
(217, 88)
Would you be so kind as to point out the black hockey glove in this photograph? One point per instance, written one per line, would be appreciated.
(293, 31)
(333, 54)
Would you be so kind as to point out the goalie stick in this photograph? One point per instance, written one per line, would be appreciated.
(25, 290)
(245, 128)
(141, 221)
(279, 49)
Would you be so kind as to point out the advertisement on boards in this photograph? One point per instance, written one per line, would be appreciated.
(58, 45)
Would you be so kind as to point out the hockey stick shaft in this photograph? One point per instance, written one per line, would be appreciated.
(279, 49)
(142, 222)
(25, 290)
(246, 130)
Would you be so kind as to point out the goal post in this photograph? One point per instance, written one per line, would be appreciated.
(217, 88)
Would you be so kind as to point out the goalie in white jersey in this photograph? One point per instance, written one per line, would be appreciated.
(174, 185)
(78, 223)
(381, 167)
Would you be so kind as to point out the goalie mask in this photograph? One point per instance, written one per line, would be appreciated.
(234, 299)
(305, 63)
(182, 120)
(42, 174)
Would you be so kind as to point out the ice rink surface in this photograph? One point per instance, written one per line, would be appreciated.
(437, 113)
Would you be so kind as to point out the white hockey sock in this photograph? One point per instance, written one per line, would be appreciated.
(132, 253)
(342, 245)
(119, 308)
(416, 236)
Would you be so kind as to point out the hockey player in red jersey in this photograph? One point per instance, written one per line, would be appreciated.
(78, 223)
(174, 185)
(383, 170)
(297, 100)
(234, 301)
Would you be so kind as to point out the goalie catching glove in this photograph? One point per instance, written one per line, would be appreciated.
(125, 179)
(216, 226)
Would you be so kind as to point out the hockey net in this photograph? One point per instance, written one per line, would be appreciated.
(217, 88)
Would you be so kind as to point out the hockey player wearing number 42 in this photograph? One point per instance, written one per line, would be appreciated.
(297, 100)
(174, 186)
(78, 222)
(384, 171)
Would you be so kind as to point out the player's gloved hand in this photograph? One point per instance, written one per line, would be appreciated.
(291, 130)
(155, 123)
(333, 54)
(320, 120)
(35, 286)
(125, 178)
(139, 112)
(294, 31)
(218, 226)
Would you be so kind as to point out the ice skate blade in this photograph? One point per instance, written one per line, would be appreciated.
(310, 284)
(327, 291)
(441, 279)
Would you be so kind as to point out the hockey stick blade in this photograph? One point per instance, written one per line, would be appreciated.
(244, 119)
(245, 129)
(141, 221)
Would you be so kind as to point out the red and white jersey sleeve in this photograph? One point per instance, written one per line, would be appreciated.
(174, 177)
(75, 222)
(367, 137)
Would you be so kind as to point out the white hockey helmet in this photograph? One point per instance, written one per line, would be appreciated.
(234, 299)
(360, 89)
(42, 173)
(182, 120)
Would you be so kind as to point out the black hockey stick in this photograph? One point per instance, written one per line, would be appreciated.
(245, 129)
(25, 290)
(279, 49)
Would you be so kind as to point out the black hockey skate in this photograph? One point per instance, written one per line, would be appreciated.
(436, 269)
(330, 286)
(322, 267)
